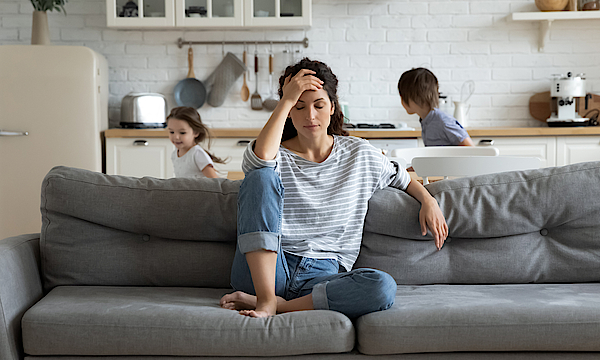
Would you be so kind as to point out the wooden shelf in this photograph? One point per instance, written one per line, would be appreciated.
(547, 17)
(555, 15)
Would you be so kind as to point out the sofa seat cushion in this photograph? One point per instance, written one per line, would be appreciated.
(520, 317)
(162, 321)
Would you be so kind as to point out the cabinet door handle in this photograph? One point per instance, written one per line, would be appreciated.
(486, 142)
(243, 143)
(13, 133)
(140, 143)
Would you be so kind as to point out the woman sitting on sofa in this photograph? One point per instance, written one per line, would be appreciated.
(291, 247)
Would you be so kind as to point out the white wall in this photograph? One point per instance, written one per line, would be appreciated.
(367, 43)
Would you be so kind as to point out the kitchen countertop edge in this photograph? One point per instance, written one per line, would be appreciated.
(371, 134)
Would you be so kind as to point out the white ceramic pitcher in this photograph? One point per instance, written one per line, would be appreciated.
(461, 112)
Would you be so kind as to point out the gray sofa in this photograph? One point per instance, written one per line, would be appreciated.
(135, 268)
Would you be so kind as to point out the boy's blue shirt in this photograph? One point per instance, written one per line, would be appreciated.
(441, 129)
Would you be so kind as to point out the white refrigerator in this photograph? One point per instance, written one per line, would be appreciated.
(53, 108)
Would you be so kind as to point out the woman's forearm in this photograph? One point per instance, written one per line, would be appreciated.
(430, 215)
(418, 191)
(267, 143)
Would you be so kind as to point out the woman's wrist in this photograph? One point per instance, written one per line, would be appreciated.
(286, 104)
(429, 200)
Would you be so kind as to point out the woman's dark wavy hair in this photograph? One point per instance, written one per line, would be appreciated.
(191, 116)
(330, 84)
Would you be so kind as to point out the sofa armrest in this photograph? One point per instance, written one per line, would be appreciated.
(20, 288)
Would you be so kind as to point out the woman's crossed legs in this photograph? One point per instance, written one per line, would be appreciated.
(269, 281)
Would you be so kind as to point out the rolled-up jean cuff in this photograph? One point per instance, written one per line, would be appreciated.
(258, 240)
(319, 296)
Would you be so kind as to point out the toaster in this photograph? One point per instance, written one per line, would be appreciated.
(143, 110)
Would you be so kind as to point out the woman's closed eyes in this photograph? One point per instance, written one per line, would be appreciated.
(318, 106)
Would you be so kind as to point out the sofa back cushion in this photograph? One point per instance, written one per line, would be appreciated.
(115, 230)
(514, 227)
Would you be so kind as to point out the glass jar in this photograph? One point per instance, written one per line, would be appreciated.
(589, 5)
(445, 104)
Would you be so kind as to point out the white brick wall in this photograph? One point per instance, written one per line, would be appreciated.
(368, 43)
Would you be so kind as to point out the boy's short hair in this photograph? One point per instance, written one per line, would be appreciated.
(420, 86)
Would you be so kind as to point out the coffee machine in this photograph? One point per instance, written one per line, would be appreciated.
(564, 91)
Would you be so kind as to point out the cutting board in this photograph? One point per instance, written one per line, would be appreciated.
(541, 105)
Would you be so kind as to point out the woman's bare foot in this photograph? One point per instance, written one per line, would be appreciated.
(263, 309)
(246, 304)
(238, 300)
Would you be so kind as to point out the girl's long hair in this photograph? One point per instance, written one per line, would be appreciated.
(330, 84)
(191, 116)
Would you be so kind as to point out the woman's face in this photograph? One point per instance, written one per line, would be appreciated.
(312, 113)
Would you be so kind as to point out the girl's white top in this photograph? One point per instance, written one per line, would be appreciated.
(325, 203)
(192, 163)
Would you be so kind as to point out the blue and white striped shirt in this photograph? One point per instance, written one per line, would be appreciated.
(325, 203)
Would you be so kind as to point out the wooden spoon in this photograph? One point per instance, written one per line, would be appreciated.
(245, 91)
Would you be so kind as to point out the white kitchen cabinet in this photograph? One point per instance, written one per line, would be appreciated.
(209, 13)
(151, 156)
(140, 13)
(278, 13)
(232, 148)
(576, 149)
(539, 146)
(288, 14)
(139, 157)
(542, 147)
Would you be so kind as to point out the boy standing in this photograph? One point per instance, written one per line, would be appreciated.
(419, 94)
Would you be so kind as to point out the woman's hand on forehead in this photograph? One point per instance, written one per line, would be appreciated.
(303, 73)
(304, 80)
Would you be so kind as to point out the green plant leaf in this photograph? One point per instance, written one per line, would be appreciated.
(49, 5)
(35, 5)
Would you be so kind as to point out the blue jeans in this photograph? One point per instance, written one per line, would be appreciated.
(260, 208)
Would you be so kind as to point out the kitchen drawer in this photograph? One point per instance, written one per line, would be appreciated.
(229, 147)
(542, 147)
(576, 149)
(139, 157)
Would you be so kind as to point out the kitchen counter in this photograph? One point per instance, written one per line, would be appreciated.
(553, 146)
(373, 134)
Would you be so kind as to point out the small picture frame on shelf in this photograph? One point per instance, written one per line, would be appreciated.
(130, 9)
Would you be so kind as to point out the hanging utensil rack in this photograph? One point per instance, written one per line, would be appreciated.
(181, 43)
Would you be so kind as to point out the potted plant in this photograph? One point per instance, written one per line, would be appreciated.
(40, 33)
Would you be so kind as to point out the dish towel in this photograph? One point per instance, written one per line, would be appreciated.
(222, 79)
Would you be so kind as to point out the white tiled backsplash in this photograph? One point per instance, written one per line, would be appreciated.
(368, 44)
